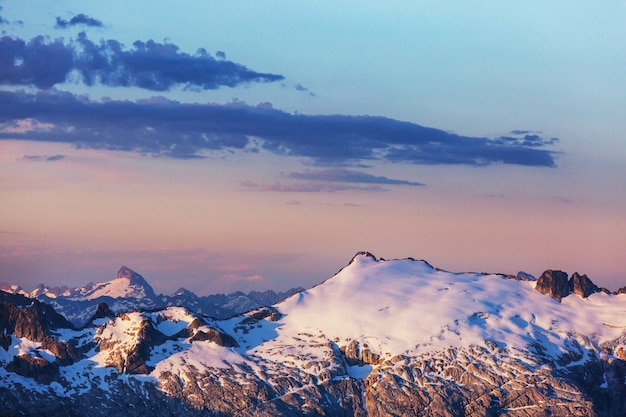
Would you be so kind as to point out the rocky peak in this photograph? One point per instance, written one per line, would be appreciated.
(126, 272)
(130, 352)
(365, 254)
(582, 285)
(554, 284)
(183, 292)
(184, 297)
(29, 318)
(103, 311)
(525, 276)
(134, 279)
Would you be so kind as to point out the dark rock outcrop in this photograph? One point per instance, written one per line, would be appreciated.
(23, 317)
(102, 312)
(36, 367)
(28, 318)
(582, 285)
(357, 354)
(217, 337)
(554, 284)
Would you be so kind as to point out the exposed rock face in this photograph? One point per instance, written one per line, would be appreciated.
(21, 317)
(554, 284)
(359, 355)
(474, 382)
(38, 368)
(582, 285)
(28, 318)
(217, 337)
(131, 353)
(102, 312)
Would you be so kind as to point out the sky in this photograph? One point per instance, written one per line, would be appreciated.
(237, 145)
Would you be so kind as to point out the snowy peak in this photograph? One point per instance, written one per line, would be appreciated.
(12, 289)
(128, 284)
(394, 306)
(135, 280)
(126, 272)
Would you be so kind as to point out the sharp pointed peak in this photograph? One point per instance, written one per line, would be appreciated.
(126, 272)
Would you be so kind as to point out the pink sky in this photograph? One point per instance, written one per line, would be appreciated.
(178, 223)
(249, 145)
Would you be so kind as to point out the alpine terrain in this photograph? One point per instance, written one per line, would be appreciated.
(129, 290)
(379, 338)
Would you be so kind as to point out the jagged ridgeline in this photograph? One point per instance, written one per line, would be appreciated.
(129, 290)
(380, 338)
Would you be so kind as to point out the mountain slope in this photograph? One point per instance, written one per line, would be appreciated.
(407, 306)
(379, 338)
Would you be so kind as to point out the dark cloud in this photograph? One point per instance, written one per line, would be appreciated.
(528, 140)
(350, 176)
(169, 128)
(150, 65)
(38, 62)
(79, 19)
(42, 158)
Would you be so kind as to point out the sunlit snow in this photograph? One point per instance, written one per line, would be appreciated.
(390, 307)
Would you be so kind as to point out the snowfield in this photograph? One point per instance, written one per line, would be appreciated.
(407, 306)
(373, 319)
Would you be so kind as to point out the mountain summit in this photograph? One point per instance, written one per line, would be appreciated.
(136, 281)
(127, 284)
(379, 338)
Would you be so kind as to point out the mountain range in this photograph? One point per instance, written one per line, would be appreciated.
(379, 338)
(129, 290)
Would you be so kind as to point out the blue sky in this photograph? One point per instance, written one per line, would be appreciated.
(479, 136)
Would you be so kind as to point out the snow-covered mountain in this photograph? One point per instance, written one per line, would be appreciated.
(129, 290)
(379, 338)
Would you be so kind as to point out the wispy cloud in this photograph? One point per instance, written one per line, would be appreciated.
(42, 158)
(79, 19)
(310, 187)
(149, 65)
(183, 130)
(350, 176)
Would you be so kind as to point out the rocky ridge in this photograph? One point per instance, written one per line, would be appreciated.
(431, 343)
(557, 285)
(129, 290)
